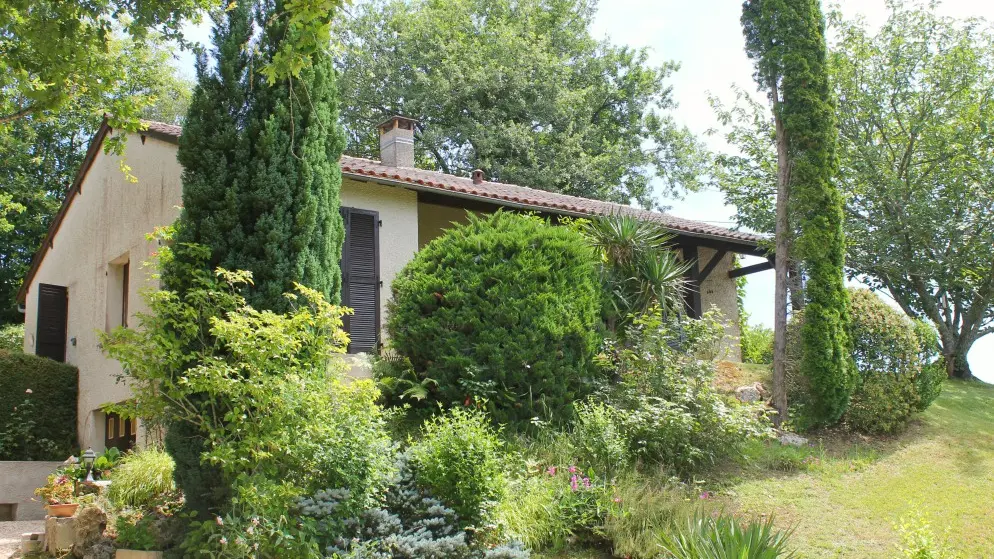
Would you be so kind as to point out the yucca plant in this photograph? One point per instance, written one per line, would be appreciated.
(639, 269)
(725, 537)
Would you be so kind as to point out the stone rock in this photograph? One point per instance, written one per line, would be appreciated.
(748, 394)
(791, 439)
(104, 549)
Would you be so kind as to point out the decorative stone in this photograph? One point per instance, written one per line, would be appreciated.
(60, 533)
(748, 394)
(32, 542)
(791, 439)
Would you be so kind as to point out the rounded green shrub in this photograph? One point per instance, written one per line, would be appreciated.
(459, 459)
(504, 309)
(887, 349)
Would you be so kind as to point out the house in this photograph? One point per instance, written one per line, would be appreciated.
(87, 275)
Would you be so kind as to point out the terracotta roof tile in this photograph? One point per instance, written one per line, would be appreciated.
(521, 195)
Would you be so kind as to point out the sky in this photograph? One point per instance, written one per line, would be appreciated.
(705, 37)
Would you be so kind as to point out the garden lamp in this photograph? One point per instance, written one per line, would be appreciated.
(88, 458)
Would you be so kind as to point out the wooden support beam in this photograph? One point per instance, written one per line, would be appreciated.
(692, 299)
(738, 272)
(715, 260)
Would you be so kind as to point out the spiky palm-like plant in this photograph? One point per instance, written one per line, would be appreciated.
(638, 268)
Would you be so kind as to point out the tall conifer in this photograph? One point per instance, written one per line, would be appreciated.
(786, 40)
(293, 231)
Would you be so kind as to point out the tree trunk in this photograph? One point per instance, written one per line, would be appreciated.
(955, 355)
(782, 264)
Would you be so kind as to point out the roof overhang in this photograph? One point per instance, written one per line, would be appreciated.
(170, 133)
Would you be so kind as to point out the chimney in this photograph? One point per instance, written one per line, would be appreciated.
(397, 141)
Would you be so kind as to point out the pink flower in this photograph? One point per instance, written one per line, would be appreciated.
(572, 469)
(573, 483)
(617, 499)
(586, 482)
(706, 495)
(29, 391)
(551, 471)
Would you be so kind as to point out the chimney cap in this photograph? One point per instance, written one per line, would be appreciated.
(477, 176)
(393, 121)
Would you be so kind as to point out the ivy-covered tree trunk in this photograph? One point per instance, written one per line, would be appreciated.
(786, 39)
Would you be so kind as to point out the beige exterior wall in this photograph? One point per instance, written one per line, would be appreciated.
(433, 219)
(105, 226)
(719, 290)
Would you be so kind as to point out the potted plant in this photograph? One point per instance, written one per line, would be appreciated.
(59, 495)
(136, 537)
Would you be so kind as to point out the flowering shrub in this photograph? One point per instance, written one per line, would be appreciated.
(599, 438)
(459, 460)
(60, 489)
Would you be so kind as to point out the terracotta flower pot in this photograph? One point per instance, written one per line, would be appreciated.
(63, 510)
(132, 554)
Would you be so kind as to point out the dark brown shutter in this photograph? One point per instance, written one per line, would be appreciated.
(361, 278)
(53, 310)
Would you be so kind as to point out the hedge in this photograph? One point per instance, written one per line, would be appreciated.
(46, 429)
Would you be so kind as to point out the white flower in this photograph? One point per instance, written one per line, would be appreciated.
(220, 522)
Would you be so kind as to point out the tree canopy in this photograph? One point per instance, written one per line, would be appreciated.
(520, 89)
(43, 150)
(915, 166)
(918, 166)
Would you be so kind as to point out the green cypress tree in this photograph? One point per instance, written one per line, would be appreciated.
(293, 231)
(786, 39)
(212, 151)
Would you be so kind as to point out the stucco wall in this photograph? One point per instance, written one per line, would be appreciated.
(106, 222)
(719, 290)
(434, 218)
(18, 481)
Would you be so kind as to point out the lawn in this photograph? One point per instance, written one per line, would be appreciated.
(844, 495)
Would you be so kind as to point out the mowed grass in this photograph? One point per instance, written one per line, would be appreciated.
(844, 494)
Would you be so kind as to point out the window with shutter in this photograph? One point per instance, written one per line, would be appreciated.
(361, 278)
(53, 311)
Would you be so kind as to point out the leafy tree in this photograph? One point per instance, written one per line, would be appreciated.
(914, 153)
(58, 53)
(918, 166)
(43, 151)
(520, 90)
(785, 38)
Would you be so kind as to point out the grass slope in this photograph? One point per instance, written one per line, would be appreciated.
(844, 495)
